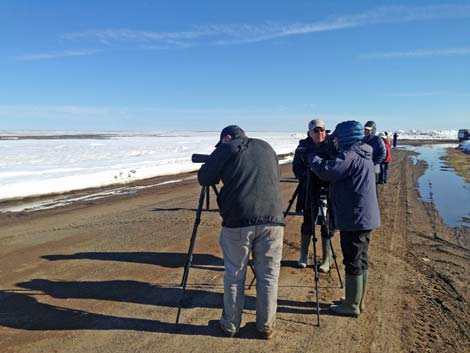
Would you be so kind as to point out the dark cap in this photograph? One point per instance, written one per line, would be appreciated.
(370, 125)
(233, 130)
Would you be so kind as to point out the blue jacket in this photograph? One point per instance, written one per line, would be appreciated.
(352, 188)
(379, 151)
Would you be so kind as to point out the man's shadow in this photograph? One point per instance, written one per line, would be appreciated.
(130, 292)
(164, 259)
(22, 311)
(148, 294)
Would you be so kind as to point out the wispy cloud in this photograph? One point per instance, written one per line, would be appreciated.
(236, 34)
(232, 34)
(427, 94)
(57, 54)
(417, 53)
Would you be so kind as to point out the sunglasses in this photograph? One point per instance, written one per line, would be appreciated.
(318, 129)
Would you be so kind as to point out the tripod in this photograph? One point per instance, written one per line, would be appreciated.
(326, 222)
(317, 207)
(205, 194)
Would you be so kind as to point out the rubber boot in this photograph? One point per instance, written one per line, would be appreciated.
(350, 306)
(326, 255)
(304, 244)
(365, 278)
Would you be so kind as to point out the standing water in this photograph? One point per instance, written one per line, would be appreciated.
(441, 185)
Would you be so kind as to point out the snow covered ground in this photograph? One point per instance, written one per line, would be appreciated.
(33, 167)
(426, 135)
(37, 163)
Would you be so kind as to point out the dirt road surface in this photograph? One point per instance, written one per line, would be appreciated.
(105, 276)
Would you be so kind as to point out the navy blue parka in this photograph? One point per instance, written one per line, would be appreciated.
(352, 189)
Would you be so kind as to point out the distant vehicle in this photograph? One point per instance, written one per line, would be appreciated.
(464, 135)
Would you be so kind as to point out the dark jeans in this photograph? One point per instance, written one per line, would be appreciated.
(355, 247)
(306, 227)
(383, 172)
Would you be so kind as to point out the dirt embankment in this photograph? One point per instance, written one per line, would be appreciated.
(459, 161)
(104, 277)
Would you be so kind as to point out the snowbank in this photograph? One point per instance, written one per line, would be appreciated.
(426, 135)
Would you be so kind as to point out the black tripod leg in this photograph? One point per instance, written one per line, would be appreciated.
(313, 208)
(326, 222)
(208, 205)
(333, 254)
(315, 268)
(254, 274)
(291, 201)
(189, 258)
(197, 221)
(216, 192)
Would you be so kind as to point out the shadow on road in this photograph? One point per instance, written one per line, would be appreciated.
(21, 311)
(164, 259)
(129, 292)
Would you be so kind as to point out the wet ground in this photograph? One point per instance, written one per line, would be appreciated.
(441, 185)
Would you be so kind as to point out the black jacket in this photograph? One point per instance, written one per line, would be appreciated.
(300, 167)
(249, 171)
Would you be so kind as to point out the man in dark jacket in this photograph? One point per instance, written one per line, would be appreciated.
(377, 144)
(251, 209)
(356, 211)
(309, 195)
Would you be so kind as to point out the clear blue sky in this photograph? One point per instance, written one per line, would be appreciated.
(201, 65)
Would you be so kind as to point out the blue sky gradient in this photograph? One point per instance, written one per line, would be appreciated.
(160, 65)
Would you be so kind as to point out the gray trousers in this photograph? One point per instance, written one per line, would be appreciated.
(264, 242)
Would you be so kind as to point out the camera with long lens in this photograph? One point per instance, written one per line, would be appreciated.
(322, 205)
(199, 158)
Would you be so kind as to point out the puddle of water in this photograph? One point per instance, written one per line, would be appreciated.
(439, 184)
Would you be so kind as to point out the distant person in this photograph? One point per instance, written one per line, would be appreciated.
(251, 209)
(395, 139)
(315, 142)
(377, 144)
(383, 175)
(388, 138)
(355, 208)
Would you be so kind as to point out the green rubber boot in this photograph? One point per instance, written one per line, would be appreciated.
(304, 244)
(365, 278)
(326, 255)
(350, 306)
